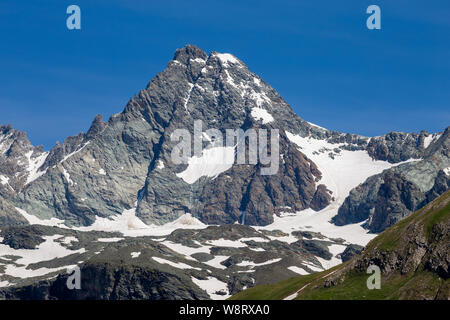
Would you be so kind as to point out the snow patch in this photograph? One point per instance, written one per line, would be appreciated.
(185, 250)
(160, 165)
(67, 176)
(131, 226)
(68, 240)
(256, 239)
(191, 86)
(75, 152)
(227, 59)
(4, 180)
(53, 222)
(216, 262)
(34, 165)
(178, 265)
(135, 254)
(315, 125)
(247, 263)
(211, 163)
(46, 251)
(110, 239)
(298, 270)
(261, 114)
(199, 60)
(430, 139)
(212, 286)
(226, 243)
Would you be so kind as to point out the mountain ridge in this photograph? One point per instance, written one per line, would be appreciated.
(199, 86)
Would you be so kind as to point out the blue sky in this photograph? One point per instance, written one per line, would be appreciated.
(318, 55)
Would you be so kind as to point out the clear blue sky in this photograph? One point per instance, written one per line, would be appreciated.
(319, 55)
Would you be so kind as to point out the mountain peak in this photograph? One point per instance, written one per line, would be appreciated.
(190, 51)
(226, 59)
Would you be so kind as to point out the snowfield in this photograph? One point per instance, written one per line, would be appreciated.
(178, 265)
(34, 165)
(131, 226)
(340, 174)
(211, 163)
(46, 251)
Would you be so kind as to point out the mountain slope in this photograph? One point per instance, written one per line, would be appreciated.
(412, 255)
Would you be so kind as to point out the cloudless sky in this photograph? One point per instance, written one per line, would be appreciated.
(319, 55)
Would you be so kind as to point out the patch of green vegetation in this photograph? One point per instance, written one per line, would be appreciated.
(280, 290)
(424, 284)
(354, 288)
(276, 291)
(442, 214)
(415, 285)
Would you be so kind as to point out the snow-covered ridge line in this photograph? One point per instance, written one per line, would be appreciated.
(430, 139)
(316, 126)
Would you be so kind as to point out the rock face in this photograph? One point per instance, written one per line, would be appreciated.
(397, 146)
(109, 282)
(322, 198)
(351, 251)
(9, 216)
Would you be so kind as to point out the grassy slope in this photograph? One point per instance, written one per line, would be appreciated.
(409, 286)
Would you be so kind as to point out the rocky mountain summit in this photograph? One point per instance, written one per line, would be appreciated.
(128, 158)
(119, 181)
